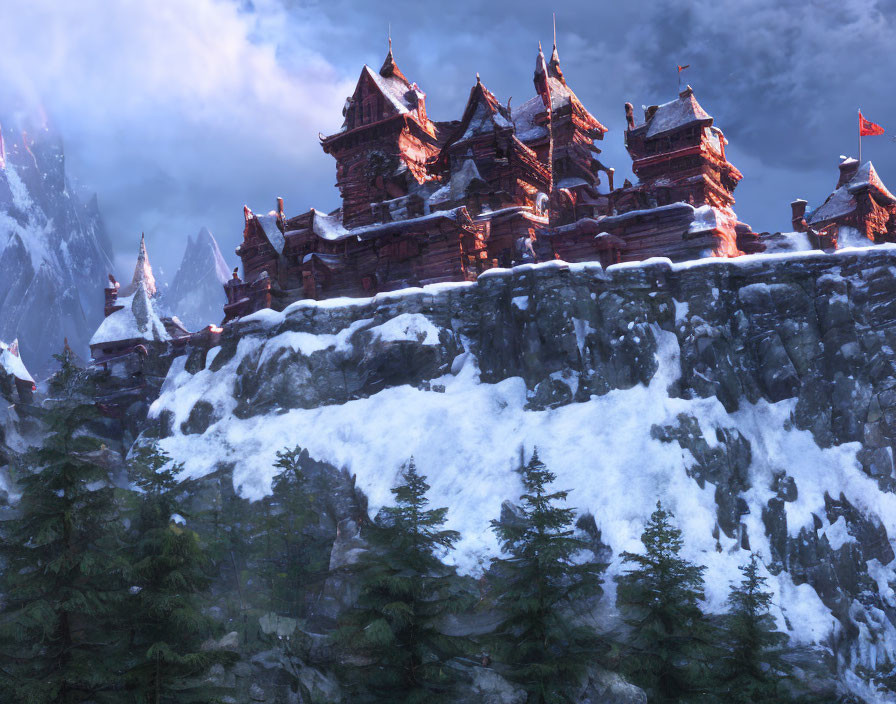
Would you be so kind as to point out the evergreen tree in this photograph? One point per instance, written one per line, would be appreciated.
(405, 590)
(670, 640)
(751, 668)
(294, 551)
(169, 579)
(70, 377)
(543, 640)
(62, 581)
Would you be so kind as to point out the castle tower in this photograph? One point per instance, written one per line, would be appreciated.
(384, 144)
(487, 168)
(566, 140)
(678, 155)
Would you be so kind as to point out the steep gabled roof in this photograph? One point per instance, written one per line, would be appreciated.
(843, 202)
(395, 88)
(549, 74)
(400, 95)
(866, 175)
(482, 115)
(678, 113)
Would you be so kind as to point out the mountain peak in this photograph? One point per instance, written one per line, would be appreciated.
(197, 293)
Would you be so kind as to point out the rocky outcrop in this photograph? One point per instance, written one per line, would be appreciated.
(762, 390)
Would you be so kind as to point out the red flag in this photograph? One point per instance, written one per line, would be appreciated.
(682, 68)
(868, 128)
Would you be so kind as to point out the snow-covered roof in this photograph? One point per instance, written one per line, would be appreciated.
(272, 230)
(136, 320)
(866, 175)
(838, 204)
(524, 119)
(678, 113)
(394, 89)
(11, 362)
(331, 261)
(457, 186)
(328, 227)
(842, 201)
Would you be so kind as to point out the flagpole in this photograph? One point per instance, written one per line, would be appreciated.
(860, 137)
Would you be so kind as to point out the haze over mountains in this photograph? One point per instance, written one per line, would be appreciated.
(54, 249)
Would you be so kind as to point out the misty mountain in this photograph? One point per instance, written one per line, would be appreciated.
(54, 250)
(196, 295)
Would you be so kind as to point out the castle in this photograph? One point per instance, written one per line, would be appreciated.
(426, 201)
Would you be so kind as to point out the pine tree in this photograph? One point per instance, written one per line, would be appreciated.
(670, 639)
(60, 636)
(70, 377)
(542, 639)
(752, 668)
(405, 590)
(169, 579)
(294, 552)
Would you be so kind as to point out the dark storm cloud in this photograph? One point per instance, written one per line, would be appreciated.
(178, 113)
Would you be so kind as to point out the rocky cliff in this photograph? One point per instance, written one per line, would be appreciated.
(755, 397)
(54, 252)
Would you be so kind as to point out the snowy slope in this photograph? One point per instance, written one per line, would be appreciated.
(752, 397)
(197, 295)
(54, 252)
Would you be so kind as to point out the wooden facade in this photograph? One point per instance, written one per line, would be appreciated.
(426, 201)
(860, 203)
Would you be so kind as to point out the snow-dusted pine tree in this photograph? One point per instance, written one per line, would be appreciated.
(543, 640)
(751, 668)
(169, 579)
(62, 631)
(670, 642)
(406, 591)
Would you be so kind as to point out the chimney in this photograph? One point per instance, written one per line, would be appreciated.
(848, 168)
(280, 208)
(798, 215)
(610, 173)
(630, 116)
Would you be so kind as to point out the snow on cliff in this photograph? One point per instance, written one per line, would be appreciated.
(54, 253)
(467, 426)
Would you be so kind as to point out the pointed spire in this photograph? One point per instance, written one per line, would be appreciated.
(554, 69)
(389, 67)
(143, 271)
(541, 66)
(541, 79)
(554, 15)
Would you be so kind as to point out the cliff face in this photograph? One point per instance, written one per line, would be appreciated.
(54, 252)
(756, 398)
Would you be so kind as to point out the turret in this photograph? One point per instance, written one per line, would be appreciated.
(385, 142)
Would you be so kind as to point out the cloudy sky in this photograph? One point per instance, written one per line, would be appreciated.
(177, 112)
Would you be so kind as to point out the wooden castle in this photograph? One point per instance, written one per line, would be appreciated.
(426, 201)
